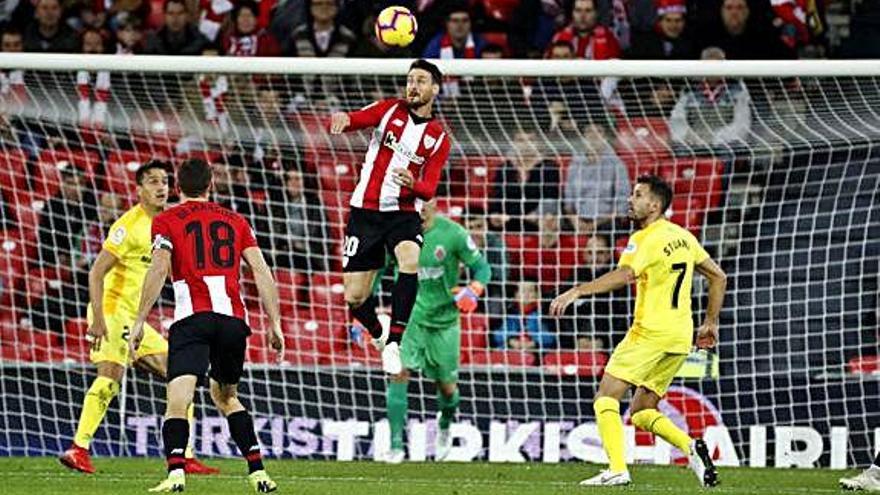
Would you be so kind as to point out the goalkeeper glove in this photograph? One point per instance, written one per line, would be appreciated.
(466, 297)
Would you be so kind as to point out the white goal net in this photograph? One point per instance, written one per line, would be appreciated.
(775, 167)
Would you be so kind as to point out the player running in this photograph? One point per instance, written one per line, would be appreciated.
(662, 258)
(432, 339)
(401, 170)
(201, 244)
(115, 282)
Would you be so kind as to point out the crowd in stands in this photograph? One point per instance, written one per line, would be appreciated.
(596, 29)
(544, 220)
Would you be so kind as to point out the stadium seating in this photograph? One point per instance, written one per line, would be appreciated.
(579, 363)
(503, 359)
(52, 161)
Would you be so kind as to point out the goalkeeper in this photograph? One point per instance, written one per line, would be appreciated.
(432, 339)
(115, 282)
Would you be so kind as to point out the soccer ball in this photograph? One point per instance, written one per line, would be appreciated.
(396, 26)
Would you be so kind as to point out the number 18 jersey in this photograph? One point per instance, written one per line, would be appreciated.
(663, 256)
(206, 242)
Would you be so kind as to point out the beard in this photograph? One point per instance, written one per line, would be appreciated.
(416, 104)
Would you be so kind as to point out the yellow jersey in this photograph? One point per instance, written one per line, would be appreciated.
(129, 241)
(663, 256)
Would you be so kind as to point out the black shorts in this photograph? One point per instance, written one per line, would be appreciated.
(208, 339)
(371, 234)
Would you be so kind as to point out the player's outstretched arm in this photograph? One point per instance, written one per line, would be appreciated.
(153, 282)
(609, 282)
(707, 334)
(268, 295)
(369, 116)
(98, 329)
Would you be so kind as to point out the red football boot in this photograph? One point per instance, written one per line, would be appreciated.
(194, 466)
(77, 458)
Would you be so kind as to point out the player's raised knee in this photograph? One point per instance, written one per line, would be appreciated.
(407, 254)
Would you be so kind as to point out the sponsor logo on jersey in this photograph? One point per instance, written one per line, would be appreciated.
(118, 235)
(430, 141)
(392, 142)
(440, 253)
(430, 272)
(397, 122)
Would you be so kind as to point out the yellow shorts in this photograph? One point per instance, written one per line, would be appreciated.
(644, 364)
(114, 347)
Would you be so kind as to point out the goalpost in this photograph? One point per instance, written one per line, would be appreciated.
(775, 167)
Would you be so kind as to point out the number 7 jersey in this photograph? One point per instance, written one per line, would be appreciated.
(663, 256)
(206, 242)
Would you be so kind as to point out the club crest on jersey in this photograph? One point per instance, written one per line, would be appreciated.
(430, 141)
(440, 253)
(392, 142)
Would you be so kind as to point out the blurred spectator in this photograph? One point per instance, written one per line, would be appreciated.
(597, 187)
(287, 16)
(115, 13)
(321, 35)
(601, 317)
(457, 40)
(11, 41)
(371, 47)
(524, 326)
(491, 244)
(561, 104)
(246, 39)
(109, 210)
(64, 218)
(177, 36)
(716, 112)
(743, 36)
(590, 39)
(304, 231)
(47, 33)
(129, 37)
(92, 112)
(627, 17)
(667, 40)
(13, 92)
(799, 21)
(61, 231)
(92, 42)
(492, 51)
(230, 187)
(526, 187)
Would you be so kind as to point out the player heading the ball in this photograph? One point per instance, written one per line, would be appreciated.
(401, 169)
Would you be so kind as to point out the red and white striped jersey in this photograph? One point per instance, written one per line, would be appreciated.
(206, 242)
(400, 140)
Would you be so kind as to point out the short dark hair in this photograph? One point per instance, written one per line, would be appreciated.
(11, 31)
(659, 188)
(152, 165)
(432, 69)
(562, 44)
(492, 48)
(194, 177)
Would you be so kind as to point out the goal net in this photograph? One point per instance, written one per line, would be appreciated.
(775, 168)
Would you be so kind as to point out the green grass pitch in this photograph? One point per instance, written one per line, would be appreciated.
(44, 475)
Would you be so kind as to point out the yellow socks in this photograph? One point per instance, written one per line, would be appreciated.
(95, 405)
(611, 431)
(653, 421)
(190, 418)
